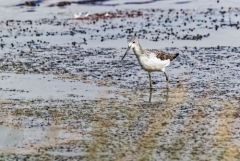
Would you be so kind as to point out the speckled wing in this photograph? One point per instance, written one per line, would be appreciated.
(161, 54)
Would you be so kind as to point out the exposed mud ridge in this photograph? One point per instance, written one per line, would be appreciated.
(35, 3)
(98, 3)
(111, 15)
(31, 3)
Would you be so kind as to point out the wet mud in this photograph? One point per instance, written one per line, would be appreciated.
(65, 94)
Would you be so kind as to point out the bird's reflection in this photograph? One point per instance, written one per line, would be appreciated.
(166, 94)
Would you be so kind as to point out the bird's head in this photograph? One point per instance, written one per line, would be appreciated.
(132, 43)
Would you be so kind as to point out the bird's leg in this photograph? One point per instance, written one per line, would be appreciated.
(166, 76)
(150, 95)
(150, 79)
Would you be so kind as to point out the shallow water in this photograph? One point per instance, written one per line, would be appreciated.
(36, 86)
(65, 95)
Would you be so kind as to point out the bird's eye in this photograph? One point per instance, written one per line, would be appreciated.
(133, 42)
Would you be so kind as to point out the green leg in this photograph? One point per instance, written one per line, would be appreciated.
(150, 79)
(150, 95)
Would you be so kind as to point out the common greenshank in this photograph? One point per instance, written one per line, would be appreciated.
(151, 60)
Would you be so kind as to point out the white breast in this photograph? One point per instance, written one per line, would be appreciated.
(152, 63)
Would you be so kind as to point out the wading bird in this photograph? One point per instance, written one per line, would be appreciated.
(151, 60)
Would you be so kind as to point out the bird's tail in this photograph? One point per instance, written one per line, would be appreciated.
(174, 56)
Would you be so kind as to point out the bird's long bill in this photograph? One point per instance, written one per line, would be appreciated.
(125, 53)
